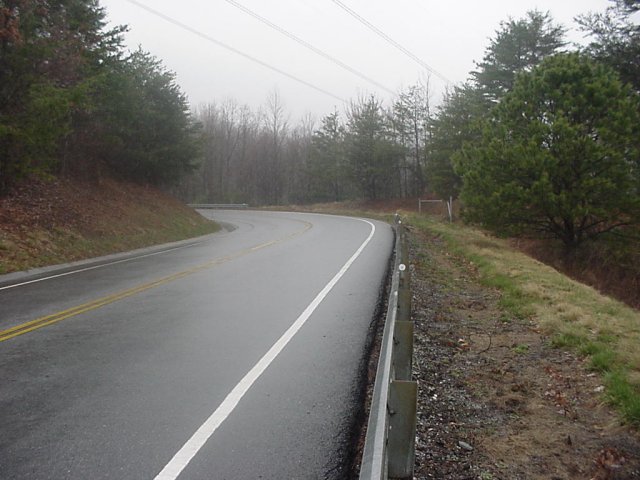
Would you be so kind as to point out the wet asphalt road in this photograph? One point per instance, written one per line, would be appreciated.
(146, 350)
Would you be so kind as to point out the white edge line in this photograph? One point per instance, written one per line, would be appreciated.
(182, 458)
(72, 272)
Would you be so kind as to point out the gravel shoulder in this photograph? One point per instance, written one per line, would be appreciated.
(496, 401)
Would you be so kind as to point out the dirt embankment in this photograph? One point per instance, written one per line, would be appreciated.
(496, 401)
(44, 222)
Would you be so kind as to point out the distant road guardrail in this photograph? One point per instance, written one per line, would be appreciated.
(220, 206)
(389, 449)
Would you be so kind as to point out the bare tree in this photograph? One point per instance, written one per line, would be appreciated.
(275, 128)
(411, 119)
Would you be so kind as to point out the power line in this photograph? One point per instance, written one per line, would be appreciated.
(232, 49)
(390, 40)
(307, 45)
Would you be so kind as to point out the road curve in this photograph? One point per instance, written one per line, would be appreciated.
(233, 358)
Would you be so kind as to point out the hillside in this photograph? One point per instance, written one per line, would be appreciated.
(45, 222)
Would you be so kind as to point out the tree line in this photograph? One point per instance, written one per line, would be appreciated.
(74, 101)
(542, 139)
(258, 157)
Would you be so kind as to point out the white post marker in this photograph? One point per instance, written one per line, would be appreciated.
(189, 450)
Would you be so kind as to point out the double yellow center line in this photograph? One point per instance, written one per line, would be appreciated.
(92, 305)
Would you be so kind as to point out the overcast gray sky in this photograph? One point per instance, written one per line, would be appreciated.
(446, 34)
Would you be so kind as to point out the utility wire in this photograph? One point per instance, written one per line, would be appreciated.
(307, 45)
(232, 49)
(390, 40)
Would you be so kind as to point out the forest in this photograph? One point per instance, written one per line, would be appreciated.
(74, 102)
(541, 140)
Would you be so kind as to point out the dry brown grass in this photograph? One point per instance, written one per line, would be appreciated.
(572, 314)
(48, 222)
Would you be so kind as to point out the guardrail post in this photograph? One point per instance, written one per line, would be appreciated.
(403, 397)
(404, 251)
(404, 286)
(404, 294)
(403, 350)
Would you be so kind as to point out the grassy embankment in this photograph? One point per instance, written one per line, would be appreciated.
(50, 222)
(573, 315)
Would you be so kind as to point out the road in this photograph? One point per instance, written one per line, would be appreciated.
(237, 357)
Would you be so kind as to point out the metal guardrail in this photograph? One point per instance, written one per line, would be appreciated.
(220, 206)
(389, 449)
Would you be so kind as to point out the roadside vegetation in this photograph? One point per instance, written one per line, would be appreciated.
(88, 134)
(49, 222)
(573, 315)
(75, 103)
(497, 373)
